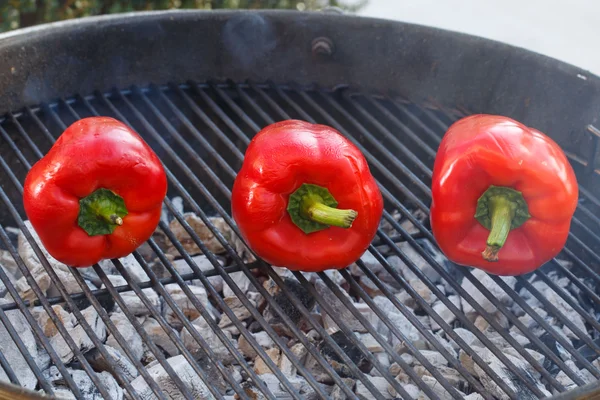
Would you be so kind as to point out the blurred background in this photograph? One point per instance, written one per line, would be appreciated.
(563, 30)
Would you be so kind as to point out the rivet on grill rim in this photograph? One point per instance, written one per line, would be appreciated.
(322, 46)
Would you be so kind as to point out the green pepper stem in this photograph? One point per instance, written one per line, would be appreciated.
(502, 212)
(323, 214)
(312, 208)
(101, 212)
(500, 209)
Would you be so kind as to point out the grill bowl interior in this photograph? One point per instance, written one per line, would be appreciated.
(198, 96)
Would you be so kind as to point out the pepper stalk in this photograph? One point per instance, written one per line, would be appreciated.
(500, 209)
(312, 208)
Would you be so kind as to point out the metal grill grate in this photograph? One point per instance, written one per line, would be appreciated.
(200, 131)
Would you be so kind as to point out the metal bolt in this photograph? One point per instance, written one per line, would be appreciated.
(322, 46)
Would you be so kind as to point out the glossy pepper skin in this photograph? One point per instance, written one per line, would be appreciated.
(99, 175)
(289, 170)
(491, 167)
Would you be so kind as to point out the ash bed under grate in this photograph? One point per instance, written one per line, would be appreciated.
(192, 313)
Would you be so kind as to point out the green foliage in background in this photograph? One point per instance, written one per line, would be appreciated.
(21, 13)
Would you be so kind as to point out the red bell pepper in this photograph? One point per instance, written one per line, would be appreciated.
(503, 195)
(305, 199)
(97, 193)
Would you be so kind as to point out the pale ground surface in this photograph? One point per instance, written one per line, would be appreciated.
(568, 30)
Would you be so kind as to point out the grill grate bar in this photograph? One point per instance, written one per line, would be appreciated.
(393, 139)
(27, 314)
(445, 327)
(183, 143)
(284, 317)
(259, 383)
(26, 355)
(403, 127)
(411, 348)
(561, 292)
(168, 329)
(197, 135)
(120, 289)
(220, 113)
(438, 268)
(413, 320)
(120, 339)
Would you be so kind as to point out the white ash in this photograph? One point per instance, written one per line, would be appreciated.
(211, 339)
(380, 384)
(130, 335)
(427, 269)
(504, 373)
(371, 343)
(399, 321)
(159, 337)
(204, 264)
(497, 293)
(565, 380)
(383, 359)
(467, 336)
(435, 358)
(474, 396)
(130, 264)
(279, 391)
(203, 232)
(370, 262)
(340, 310)
(185, 304)
(79, 336)
(571, 315)
(183, 370)
(385, 225)
(412, 390)
(12, 353)
(34, 265)
(119, 364)
(444, 312)
(8, 263)
(437, 388)
(84, 383)
(262, 338)
(241, 280)
(46, 324)
(134, 304)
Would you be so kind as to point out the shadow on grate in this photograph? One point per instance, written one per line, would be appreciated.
(193, 312)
